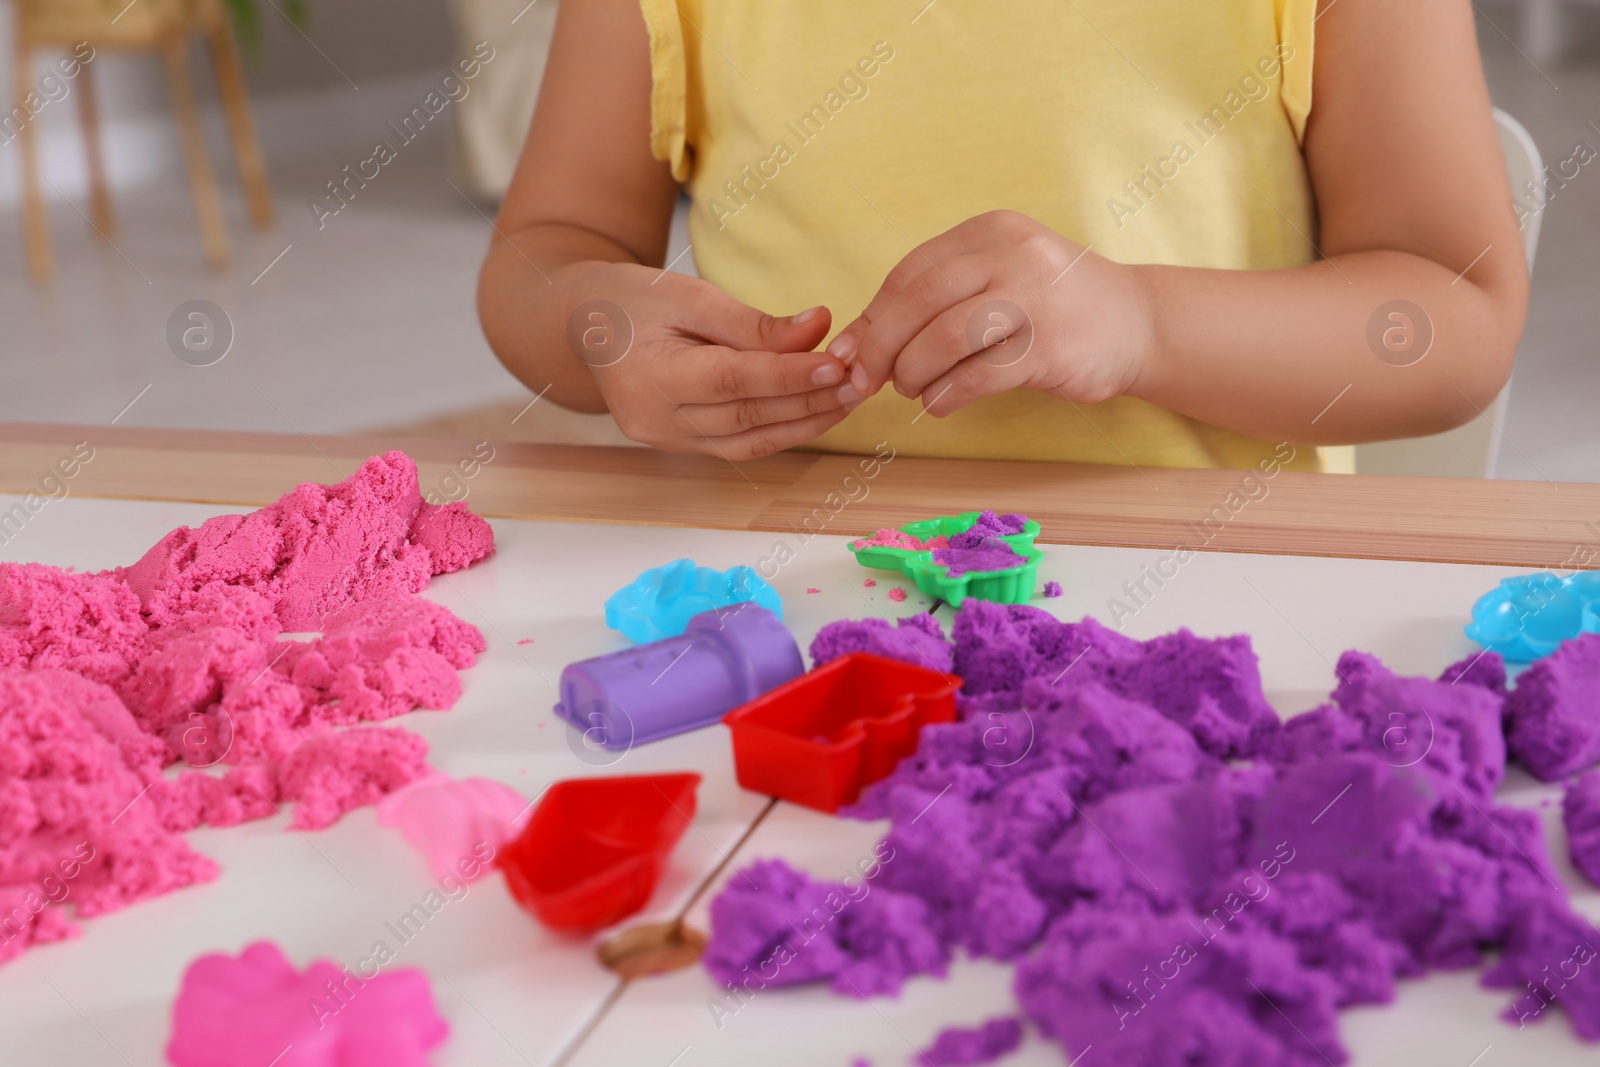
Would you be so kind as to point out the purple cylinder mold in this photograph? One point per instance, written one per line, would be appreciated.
(726, 657)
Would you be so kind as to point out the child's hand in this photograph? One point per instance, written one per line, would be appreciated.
(1000, 303)
(686, 368)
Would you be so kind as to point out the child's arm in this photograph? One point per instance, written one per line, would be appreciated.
(1414, 206)
(572, 296)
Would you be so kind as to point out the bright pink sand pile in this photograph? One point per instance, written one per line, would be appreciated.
(106, 679)
(256, 1009)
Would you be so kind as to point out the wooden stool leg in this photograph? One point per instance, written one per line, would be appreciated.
(36, 221)
(235, 103)
(99, 189)
(206, 201)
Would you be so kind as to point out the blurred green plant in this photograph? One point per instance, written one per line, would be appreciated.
(246, 15)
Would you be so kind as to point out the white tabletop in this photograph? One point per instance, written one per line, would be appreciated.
(514, 993)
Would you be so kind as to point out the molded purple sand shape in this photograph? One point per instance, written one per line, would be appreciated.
(725, 658)
(979, 548)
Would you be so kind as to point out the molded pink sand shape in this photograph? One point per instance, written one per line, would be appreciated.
(446, 820)
(257, 1009)
(106, 679)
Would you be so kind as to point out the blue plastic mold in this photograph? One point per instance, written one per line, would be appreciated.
(1527, 617)
(661, 601)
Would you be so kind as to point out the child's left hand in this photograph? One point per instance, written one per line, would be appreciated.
(997, 303)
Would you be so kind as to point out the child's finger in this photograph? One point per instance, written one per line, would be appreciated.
(765, 440)
(966, 238)
(722, 320)
(990, 331)
(919, 304)
(963, 239)
(737, 416)
(710, 374)
(971, 379)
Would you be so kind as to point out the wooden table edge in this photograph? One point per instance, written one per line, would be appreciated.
(797, 495)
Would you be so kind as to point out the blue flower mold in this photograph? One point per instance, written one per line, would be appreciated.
(661, 601)
(1527, 617)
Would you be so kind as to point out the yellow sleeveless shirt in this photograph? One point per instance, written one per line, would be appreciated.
(821, 141)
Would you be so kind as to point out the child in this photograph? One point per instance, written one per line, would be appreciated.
(1152, 232)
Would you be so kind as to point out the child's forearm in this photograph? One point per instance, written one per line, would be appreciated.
(531, 281)
(1358, 347)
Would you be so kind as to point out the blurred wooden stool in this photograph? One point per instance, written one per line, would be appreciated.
(163, 26)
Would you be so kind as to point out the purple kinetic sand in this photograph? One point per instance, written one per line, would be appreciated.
(1212, 687)
(988, 527)
(916, 639)
(1549, 960)
(959, 1046)
(1178, 876)
(1485, 669)
(1052, 589)
(775, 926)
(1450, 732)
(993, 556)
(1580, 811)
(1553, 715)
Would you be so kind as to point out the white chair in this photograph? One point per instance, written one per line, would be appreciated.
(1472, 450)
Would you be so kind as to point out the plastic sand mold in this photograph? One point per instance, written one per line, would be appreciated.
(821, 738)
(1527, 617)
(1012, 585)
(723, 658)
(594, 849)
(661, 601)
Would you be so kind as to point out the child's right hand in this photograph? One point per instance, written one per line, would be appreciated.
(686, 368)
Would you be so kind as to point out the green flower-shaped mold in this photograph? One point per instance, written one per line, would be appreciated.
(1011, 586)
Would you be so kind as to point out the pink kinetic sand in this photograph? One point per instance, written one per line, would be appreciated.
(899, 539)
(1264, 876)
(257, 1009)
(897, 595)
(108, 679)
(317, 550)
(447, 820)
(1580, 811)
(75, 825)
